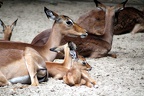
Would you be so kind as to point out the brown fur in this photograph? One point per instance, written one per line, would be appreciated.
(75, 76)
(127, 19)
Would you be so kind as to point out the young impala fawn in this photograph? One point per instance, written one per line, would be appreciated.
(63, 26)
(58, 70)
(73, 72)
(76, 77)
(99, 41)
(22, 66)
(7, 29)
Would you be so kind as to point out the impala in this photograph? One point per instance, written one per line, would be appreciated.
(63, 26)
(99, 41)
(7, 29)
(58, 70)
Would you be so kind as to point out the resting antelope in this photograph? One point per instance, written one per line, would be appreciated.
(76, 77)
(72, 71)
(7, 29)
(128, 20)
(96, 46)
(63, 26)
(22, 66)
(98, 43)
(58, 70)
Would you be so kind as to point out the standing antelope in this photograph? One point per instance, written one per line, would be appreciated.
(99, 41)
(7, 29)
(63, 26)
(58, 70)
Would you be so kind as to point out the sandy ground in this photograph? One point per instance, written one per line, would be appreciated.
(123, 76)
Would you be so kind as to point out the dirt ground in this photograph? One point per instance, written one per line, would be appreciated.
(123, 76)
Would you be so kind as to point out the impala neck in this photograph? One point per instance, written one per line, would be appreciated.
(109, 27)
(68, 59)
(7, 37)
(53, 41)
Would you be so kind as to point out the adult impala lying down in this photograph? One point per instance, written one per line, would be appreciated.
(97, 44)
(58, 70)
(22, 66)
(7, 29)
(63, 26)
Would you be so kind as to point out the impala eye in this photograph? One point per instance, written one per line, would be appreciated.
(84, 63)
(69, 22)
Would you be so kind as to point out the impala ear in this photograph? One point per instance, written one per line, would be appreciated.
(121, 5)
(14, 23)
(100, 5)
(2, 24)
(124, 3)
(72, 45)
(50, 14)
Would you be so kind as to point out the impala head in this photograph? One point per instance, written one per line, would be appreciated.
(7, 29)
(66, 25)
(109, 10)
(69, 45)
(82, 63)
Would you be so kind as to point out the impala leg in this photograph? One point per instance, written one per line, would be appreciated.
(87, 77)
(32, 70)
(113, 55)
(137, 28)
(58, 76)
(3, 80)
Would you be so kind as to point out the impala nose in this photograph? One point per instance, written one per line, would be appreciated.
(84, 35)
(53, 49)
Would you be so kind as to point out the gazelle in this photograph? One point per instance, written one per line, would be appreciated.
(58, 70)
(22, 66)
(63, 26)
(99, 41)
(7, 29)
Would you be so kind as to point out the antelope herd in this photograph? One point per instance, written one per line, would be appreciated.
(91, 36)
